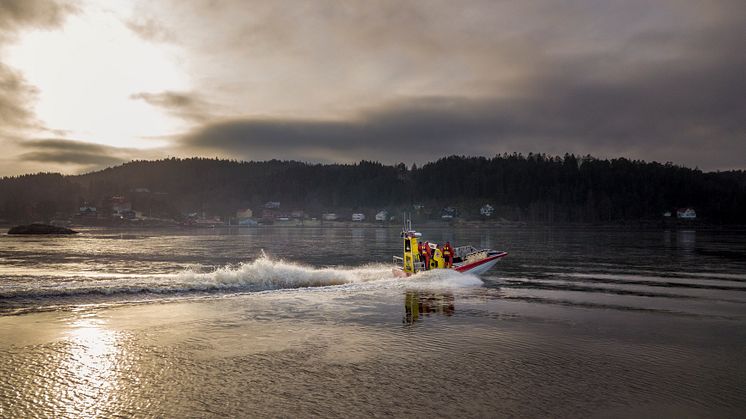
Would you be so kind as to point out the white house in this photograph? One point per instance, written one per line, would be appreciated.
(487, 210)
(686, 213)
(358, 217)
(329, 216)
(448, 213)
(120, 207)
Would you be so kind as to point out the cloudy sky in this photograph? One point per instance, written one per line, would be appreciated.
(90, 83)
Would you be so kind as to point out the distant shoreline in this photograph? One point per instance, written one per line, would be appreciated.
(681, 225)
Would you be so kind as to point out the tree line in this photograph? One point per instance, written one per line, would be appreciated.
(533, 187)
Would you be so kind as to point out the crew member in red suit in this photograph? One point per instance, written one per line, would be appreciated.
(448, 254)
(428, 254)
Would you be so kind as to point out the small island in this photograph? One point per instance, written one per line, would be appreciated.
(40, 229)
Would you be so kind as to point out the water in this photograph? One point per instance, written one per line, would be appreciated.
(199, 323)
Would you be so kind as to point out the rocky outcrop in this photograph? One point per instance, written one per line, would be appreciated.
(40, 229)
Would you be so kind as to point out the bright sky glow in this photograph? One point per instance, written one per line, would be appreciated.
(86, 71)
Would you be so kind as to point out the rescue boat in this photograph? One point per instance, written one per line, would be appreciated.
(421, 256)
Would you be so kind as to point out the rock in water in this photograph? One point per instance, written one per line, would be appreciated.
(40, 229)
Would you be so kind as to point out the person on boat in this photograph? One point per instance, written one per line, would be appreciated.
(448, 255)
(427, 254)
(438, 261)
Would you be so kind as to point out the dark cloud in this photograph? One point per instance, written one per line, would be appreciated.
(87, 155)
(35, 13)
(421, 129)
(15, 95)
(417, 80)
(687, 110)
(184, 105)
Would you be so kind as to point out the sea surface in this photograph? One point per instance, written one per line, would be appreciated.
(304, 322)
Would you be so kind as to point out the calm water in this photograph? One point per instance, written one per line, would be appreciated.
(196, 323)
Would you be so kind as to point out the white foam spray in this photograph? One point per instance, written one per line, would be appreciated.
(261, 274)
(444, 278)
(267, 274)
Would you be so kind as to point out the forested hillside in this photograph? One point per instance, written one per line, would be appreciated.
(534, 188)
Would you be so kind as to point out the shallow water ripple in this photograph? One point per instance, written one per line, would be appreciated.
(574, 323)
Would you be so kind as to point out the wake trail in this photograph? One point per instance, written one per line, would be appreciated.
(262, 274)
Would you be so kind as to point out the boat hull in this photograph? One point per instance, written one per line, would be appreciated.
(475, 268)
(481, 266)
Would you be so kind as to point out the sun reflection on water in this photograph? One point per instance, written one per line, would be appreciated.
(89, 373)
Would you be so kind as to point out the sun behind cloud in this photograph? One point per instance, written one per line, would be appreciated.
(86, 72)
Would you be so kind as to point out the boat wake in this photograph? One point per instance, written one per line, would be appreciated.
(266, 274)
(262, 274)
(42, 293)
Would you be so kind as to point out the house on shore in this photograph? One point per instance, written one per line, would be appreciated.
(686, 214)
(329, 216)
(119, 205)
(487, 210)
(244, 213)
(247, 222)
(87, 211)
(128, 214)
(448, 213)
